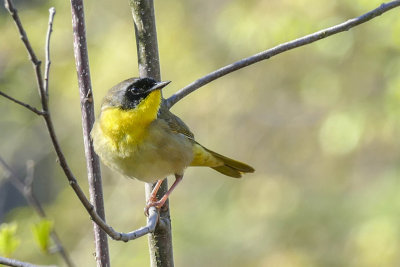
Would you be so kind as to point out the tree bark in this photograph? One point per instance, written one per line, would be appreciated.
(87, 109)
(160, 242)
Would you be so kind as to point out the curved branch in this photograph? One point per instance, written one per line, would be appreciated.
(308, 39)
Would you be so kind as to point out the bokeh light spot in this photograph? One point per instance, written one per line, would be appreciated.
(375, 243)
(340, 134)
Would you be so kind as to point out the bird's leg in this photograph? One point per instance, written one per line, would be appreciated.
(153, 195)
(158, 204)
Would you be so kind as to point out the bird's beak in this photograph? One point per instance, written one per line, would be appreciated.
(159, 86)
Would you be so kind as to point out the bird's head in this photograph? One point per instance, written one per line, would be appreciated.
(130, 93)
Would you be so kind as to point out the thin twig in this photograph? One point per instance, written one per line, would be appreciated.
(16, 263)
(153, 213)
(25, 188)
(52, 12)
(345, 26)
(9, 5)
(33, 109)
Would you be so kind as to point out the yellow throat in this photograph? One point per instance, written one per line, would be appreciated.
(125, 129)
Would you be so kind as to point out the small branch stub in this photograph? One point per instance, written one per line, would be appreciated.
(52, 12)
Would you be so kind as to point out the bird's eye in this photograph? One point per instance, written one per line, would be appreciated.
(137, 91)
(133, 93)
(132, 90)
(132, 98)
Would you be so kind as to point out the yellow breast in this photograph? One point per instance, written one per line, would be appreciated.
(126, 129)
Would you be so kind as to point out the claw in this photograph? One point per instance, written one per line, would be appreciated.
(152, 199)
(156, 204)
(152, 202)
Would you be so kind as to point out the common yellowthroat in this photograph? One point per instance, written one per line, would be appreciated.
(137, 136)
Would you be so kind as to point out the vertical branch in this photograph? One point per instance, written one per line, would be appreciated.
(92, 160)
(146, 38)
(160, 242)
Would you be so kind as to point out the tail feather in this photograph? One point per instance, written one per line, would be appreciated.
(231, 172)
(220, 163)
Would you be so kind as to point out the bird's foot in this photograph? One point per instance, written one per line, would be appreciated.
(153, 203)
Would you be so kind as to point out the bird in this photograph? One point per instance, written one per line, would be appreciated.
(137, 136)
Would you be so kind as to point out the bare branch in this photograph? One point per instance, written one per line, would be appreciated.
(33, 109)
(345, 26)
(52, 12)
(16, 263)
(153, 217)
(47, 117)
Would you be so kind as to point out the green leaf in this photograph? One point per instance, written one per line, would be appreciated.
(8, 240)
(41, 231)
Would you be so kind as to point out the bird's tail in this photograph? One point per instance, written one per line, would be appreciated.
(222, 164)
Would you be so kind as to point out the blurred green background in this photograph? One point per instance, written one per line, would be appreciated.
(320, 124)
